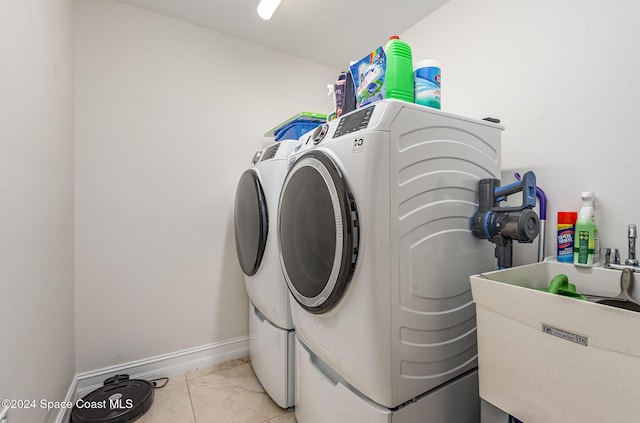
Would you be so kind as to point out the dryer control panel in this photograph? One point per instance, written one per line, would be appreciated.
(369, 118)
(353, 122)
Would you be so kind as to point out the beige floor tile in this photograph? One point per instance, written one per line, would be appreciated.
(233, 395)
(171, 404)
(225, 393)
(288, 417)
(196, 373)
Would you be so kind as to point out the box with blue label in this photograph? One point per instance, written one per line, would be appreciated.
(546, 358)
(368, 77)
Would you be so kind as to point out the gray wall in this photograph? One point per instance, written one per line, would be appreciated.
(168, 116)
(563, 78)
(36, 204)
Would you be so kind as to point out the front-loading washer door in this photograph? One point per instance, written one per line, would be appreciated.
(317, 232)
(251, 222)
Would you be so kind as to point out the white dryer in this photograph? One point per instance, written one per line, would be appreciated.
(271, 334)
(377, 251)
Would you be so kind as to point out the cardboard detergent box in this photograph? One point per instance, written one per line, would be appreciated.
(546, 358)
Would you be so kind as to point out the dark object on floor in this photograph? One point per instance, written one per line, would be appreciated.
(119, 400)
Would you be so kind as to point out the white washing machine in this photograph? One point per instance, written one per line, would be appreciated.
(377, 251)
(271, 334)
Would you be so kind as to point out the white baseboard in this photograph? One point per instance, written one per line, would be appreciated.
(64, 413)
(165, 365)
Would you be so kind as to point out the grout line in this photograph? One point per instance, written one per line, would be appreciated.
(193, 412)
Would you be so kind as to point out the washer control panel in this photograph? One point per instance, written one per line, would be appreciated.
(353, 122)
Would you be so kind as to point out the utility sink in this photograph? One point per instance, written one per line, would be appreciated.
(546, 358)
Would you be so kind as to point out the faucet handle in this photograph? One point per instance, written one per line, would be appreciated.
(612, 256)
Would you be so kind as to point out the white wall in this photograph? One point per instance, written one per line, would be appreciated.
(36, 204)
(563, 78)
(168, 116)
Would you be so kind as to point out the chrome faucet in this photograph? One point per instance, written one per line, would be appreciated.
(612, 257)
(632, 235)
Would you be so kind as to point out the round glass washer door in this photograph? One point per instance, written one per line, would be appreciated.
(317, 231)
(251, 222)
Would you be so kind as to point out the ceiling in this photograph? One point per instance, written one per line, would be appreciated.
(330, 32)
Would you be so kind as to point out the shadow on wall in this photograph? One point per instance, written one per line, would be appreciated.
(231, 304)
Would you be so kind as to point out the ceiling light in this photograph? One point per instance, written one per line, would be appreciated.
(267, 7)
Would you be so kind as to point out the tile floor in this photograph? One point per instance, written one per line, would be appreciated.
(226, 393)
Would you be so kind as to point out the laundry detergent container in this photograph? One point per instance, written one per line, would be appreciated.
(547, 358)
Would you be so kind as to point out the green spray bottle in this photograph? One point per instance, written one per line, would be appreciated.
(586, 249)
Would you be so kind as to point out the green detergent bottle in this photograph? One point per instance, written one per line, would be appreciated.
(398, 76)
(586, 249)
